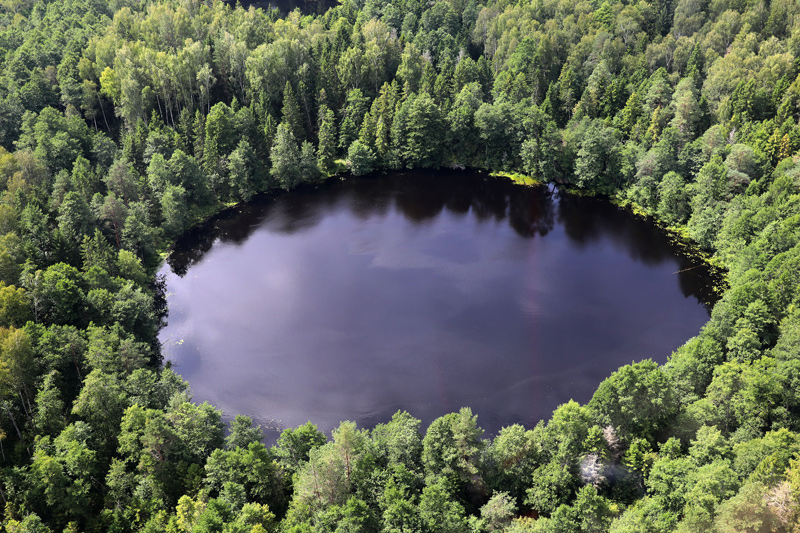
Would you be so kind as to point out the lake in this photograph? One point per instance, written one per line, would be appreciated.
(424, 292)
(307, 7)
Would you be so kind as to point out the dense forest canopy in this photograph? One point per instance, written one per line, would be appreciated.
(124, 122)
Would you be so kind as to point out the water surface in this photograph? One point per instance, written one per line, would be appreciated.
(424, 292)
(307, 7)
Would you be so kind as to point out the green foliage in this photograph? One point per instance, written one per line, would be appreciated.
(399, 441)
(598, 160)
(295, 445)
(251, 469)
(552, 486)
(290, 114)
(285, 157)
(451, 448)
(512, 458)
(439, 512)
(417, 130)
(637, 400)
(361, 158)
(243, 433)
(747, 511)
(327, 139)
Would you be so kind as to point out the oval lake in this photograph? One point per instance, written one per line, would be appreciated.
(424, 292)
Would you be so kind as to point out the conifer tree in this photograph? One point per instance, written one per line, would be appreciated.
(290, 113)
(326, 151)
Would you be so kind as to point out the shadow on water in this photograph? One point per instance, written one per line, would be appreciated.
(307, 7)
(587, 220)
(422, 196)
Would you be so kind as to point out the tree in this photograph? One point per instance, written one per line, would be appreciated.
(400, 512)
(451, 449)
(113, 213)
(309, 166)
(637, 400)
(322, 482)
(689, 17)
(498, 512)
(138, 234)
(242, 171)
(409, 73)
(186, 172)
(15, 308)
(174, 209)
(30, 524)
(61, 295)
(97, 252)
(496, 125)
(350, 443)
(101, 403)
(54, 138)
(420, 127)
(747, 511)
(253, 469)
(686, 104)
(290, 114)
(673, 203)
(439, 512)
(538, 153)
(512, 457)
(50, 410)
(598, 163)
(219, 138)
(552, 486)
(74, 217)
(327, 139)
(462, 134)
(122, 180)
(18, 369)
(351, 68)
(147, 438)
(356, 516)
(243, 433)
(285, 158)
(199, 428)
(295, 445)
(590, 513)
(353, 117)
(114, 351)
(399, 441)
(361, 158)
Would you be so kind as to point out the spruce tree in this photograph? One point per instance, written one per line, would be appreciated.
(290, 113)
(326, 151)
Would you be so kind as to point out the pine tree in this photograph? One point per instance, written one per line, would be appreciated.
(368, 129)
(327, 138)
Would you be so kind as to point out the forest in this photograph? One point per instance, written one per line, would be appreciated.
(123, 123)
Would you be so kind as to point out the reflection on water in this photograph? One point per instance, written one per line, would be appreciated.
(425, 292)
(307, 7)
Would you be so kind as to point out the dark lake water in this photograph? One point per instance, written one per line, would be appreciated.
(424, 292)
(307, 7)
